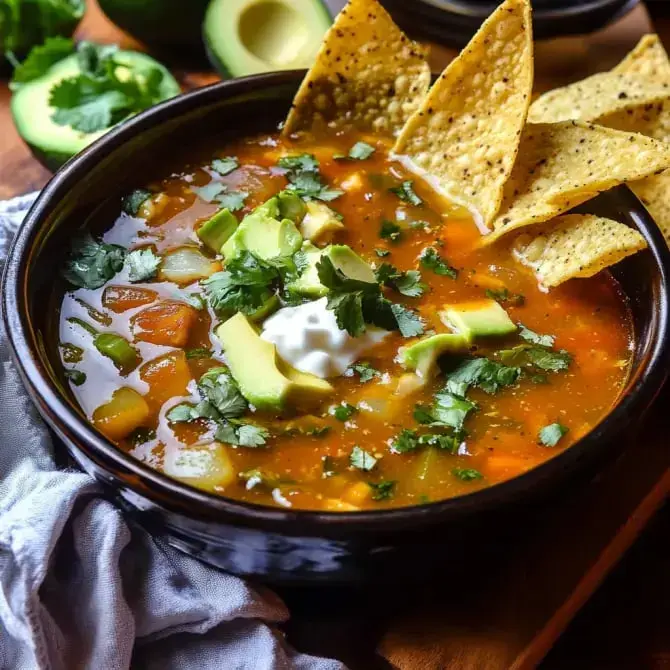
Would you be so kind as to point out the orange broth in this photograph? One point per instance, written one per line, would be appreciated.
(589, 319)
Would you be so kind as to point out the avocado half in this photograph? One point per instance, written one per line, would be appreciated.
(52, 144)
(244, 37)
(163, 24)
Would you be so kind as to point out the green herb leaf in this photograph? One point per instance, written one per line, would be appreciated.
(198, 352)
(242, 434)
(142, 264)
(302, 171)
(232, 200)
(181, 414)
(328, 467)
(406, 440)
(141, 435)
(195, 300)
(365, 372)
(466, 474)
(482, 372)
(431, 260)
(77, 377)
(551, 435)
(448, 410)
(360, 151)
(534, 338)
(225, 165)
(504, 297)
(383, 490)
(450, 443)
(361, 459)
(344, 411)
(40, 59)
(91, 263)
(382, 253)
(131, 203)
(533, 355)
(218, 192)
(71, 352)
(406, 193)
(218, 387)
(408, 283)
(409, 323)
(390, 230)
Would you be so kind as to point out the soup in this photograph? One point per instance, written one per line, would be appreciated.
(306, 324)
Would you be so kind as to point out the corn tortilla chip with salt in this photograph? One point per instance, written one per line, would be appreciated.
(576, 245)
(648, 59)
(654, 192)
(367, 74)
(561, 165)
(466, 133)
(596, 97)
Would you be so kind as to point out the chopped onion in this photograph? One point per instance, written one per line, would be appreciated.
(186, 265)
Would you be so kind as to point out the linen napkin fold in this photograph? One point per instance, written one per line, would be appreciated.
(81, 590)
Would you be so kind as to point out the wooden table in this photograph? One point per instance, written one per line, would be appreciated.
(515, 619)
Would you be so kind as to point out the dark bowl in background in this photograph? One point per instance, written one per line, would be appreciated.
(454, 22)
(276, 544)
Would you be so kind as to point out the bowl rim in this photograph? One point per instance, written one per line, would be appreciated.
(167, 492)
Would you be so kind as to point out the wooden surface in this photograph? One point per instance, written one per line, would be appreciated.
(512, 615)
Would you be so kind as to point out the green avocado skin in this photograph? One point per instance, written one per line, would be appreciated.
(160, 23)
(52, 160)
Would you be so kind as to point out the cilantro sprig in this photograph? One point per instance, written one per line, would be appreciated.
(92, 263)
(431, 260)
(408, 283)
(304, 177)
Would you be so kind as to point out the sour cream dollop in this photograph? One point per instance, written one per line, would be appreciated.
(308, 338)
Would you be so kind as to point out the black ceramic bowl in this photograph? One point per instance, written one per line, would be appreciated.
(277, 544)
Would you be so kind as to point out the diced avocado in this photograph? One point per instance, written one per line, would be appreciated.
(216, 230)
(481, 318)
(422, 356)
(263, 234)
(308, 283)
(245, 37)
(350, 263)
(291, 206)
(51, 143)
(265, 380)
(320, 222)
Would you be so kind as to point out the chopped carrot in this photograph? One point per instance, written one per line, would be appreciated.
(167, 377)
(357, 493)
(120, 416)
(122, 298)
(167, 323)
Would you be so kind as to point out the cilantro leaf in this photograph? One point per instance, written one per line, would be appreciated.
(466, 474)
(503, 296)
(365, 371)
(382, 252)
(131, 203)
(181, 413)
(344, 411)
(431, 260)
(535, 338)
(233, 200)
(406, 440)
(449, 443)
(550, 435)
(91, 263)
(40, 59)
(302, 171)
(361, 459)
(360, 151)
(448, 410)
(218, 387)
(390, 230)
(488, 375)
(408, 283)
(225, 165)
(409, 323)
(383, 490)
(142, 264)
(348, 309)
(198, 352)
(406, 193)
(242, 434)
(534, 355)
(77, 377)
(218, 192)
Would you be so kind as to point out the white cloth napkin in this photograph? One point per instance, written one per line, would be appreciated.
(82, 590)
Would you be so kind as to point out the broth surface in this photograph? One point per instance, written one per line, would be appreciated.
(306, 461)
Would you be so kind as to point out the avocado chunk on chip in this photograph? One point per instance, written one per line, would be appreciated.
(466, 133)
(562, 165)
(596, 97)
(367, 74)
(576, 245)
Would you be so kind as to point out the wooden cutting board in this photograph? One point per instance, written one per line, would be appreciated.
(513, 612)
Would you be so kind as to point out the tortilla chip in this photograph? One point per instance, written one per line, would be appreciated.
(654, 192)
(576, 245)
(648, 59)
(367, 74)
(561, 165)
(595, 97)
(466, 133)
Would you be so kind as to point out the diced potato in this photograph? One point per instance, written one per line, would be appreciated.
(153, 206)
(122, 298)
(357, 493)
(120, 416)
(186, 265)
(167, 377)
(167, 323)
(206, 467)
(353, 182)
(337, 505)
